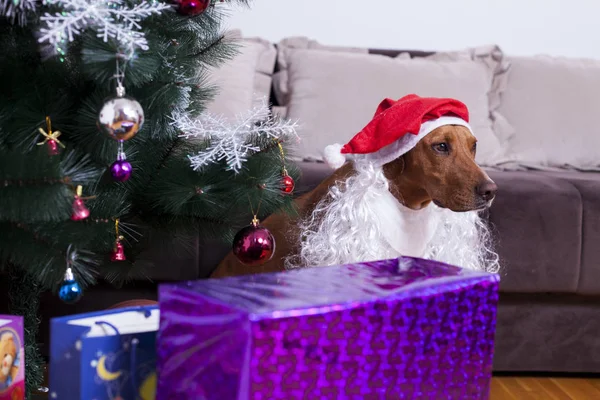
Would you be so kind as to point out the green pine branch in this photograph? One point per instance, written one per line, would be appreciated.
(37, 187)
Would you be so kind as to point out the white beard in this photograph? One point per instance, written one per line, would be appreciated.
(406, 231)
(360, 220)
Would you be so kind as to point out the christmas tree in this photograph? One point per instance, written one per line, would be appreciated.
(103, 139)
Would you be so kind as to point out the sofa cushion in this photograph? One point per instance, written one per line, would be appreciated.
(281, 85)
(536, 219)
(549, 102)
(334, 93)
(243, 79)
(588, 185)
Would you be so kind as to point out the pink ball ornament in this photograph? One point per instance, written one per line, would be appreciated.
(254, 245)
(192, 7)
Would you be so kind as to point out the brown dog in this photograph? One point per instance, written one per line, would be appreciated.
(441, 169)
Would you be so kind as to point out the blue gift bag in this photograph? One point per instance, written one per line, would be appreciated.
(107, 355)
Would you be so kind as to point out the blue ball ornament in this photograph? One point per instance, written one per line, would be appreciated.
(70, 291)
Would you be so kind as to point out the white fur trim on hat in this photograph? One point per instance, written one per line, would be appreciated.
(333, 156)
(408, 142)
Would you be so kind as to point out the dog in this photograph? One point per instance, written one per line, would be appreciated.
(423, 203)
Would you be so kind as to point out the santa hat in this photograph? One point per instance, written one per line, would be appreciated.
(396, 128)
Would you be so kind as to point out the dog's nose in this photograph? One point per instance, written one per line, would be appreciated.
(487, 190)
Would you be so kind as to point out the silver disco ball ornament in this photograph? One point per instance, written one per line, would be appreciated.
(121, 118)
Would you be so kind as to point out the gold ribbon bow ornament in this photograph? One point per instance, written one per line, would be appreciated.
(50, 137)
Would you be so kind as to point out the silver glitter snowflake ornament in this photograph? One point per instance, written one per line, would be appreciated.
(230, 139)
(110, 19)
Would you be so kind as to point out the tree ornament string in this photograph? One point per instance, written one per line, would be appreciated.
(120, 75)
(118, 252)
(254, 245)
(50, 138)
(255, 220)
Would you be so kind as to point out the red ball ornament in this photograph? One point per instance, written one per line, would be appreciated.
(254, 245)
(192, 7)
(287, 184)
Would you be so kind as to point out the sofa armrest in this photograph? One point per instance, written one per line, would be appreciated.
(312, 174)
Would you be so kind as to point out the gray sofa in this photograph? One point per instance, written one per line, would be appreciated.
(546, 223)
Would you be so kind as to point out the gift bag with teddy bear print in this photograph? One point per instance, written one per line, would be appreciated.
(12, 365)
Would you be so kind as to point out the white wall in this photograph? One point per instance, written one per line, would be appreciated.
(520, 27)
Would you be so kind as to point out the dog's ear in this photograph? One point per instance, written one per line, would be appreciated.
(402, 163)
(394, 168)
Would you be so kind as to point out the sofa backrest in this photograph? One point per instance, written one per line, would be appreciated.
(551, 103)
(334, 91)
(533, 114)
(396, 53)
(240, 81)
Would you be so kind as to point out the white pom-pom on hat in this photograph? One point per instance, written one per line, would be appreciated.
(333, 155)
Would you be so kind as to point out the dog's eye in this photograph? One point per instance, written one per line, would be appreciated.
(474, 149)
(441, 147)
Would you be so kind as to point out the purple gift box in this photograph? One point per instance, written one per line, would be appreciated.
(396, 329)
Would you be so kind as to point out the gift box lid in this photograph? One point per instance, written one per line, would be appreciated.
(317, 290)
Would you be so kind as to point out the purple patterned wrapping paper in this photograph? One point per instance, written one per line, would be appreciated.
(395, 329)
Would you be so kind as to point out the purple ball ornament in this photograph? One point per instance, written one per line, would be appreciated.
(121, 169)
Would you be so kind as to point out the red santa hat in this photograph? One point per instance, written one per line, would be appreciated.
(396, 128)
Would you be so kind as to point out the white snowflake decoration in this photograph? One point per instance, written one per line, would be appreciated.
(230, 139)
(111, 19)
(16, 10)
